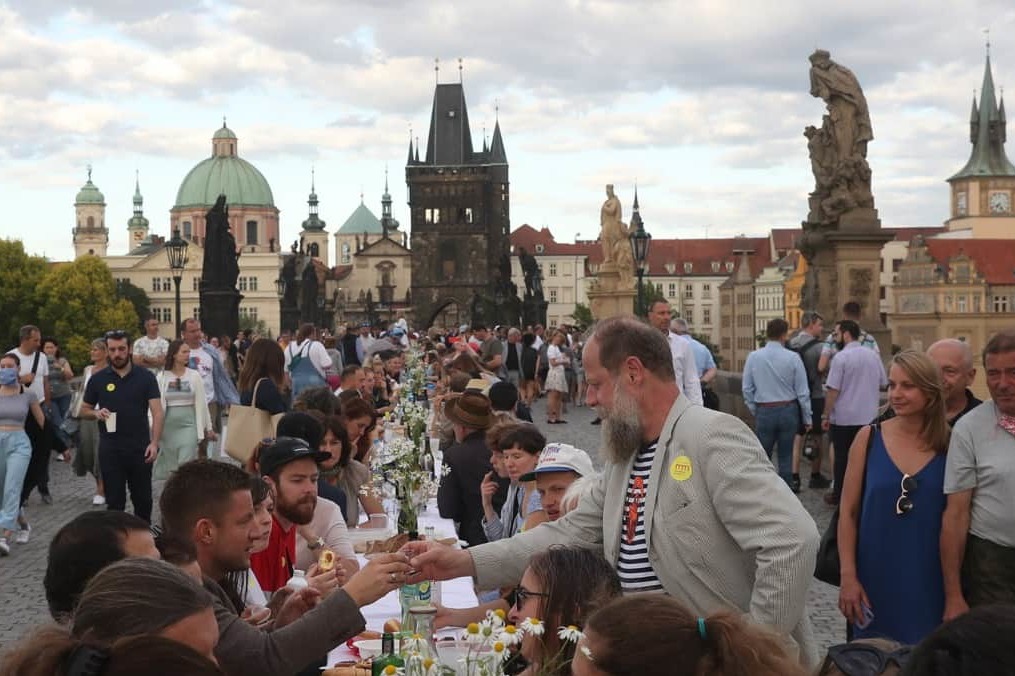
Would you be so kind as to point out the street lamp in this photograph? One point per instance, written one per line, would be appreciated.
(176, 251)
(280, 288)
(640, 241)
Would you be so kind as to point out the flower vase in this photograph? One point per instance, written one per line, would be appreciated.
(408, 516)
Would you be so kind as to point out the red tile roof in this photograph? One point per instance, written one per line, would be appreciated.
(700, 253)
(907, 234)
(993, 257)
(784, 239)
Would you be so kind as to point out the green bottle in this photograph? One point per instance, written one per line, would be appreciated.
(387, 656)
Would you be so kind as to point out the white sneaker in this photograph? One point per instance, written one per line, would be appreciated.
(5, 548)
(24, 534)
(99, 500)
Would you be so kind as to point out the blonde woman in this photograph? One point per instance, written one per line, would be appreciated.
(86, 460)
(556, 379)
(188, 420)
(890, 516)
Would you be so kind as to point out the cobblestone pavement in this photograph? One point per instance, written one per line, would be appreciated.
(23, 603)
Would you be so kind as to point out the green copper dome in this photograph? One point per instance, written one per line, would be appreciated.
(224, 173)
(362, 220)
(89, 194)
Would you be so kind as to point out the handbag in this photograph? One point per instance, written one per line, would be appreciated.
(248, 426)
(826, 568)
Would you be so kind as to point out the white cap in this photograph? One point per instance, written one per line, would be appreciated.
(558, 457)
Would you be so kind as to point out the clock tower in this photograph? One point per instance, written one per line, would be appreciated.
(137, 226)
(983, 190)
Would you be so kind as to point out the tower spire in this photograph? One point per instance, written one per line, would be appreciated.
(313, 221)
(138, 199)
(987, 131)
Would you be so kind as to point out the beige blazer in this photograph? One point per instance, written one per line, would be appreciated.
(725, 532)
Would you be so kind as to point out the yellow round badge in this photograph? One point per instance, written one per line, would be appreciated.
(110, 387)
(681, 470)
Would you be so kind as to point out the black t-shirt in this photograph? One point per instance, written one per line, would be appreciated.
(128, 397)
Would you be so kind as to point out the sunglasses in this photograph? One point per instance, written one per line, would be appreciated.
(522, 595)
(116, 334)
(904, 504)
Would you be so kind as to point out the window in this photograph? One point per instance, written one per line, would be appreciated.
(659, 288)
(688, 291)
(241, 283)
(688, 267)
(251, 232)
(167, 283)
(553, 270)
(91, 222)
(706, 315)
(540, 248)
(553, 295)
(896, 264)
(729, 266)
(671, 291)
(197, 313)
(248, 313)
(197, 284)
(468, 214)
(960, 304)
(715, 266)
(156, 284)
(1000, 303)
(432, 215)
(346, 253)
(706, 290)
(188, 230)
(689, 315)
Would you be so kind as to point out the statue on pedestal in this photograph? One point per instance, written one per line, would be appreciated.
(530, 269)
(614, 236)
(220, 269)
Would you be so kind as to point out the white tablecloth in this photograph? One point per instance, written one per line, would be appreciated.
(457, 593)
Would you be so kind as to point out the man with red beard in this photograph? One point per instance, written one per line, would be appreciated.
(688, 503)
(290, 467)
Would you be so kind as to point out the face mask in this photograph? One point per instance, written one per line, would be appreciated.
(8, 375)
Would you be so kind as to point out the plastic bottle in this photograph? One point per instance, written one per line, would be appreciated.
(298, 581)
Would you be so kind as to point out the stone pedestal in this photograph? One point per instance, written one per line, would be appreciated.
(534, 310)
(220, 311)
(608, 295)
(848, 268)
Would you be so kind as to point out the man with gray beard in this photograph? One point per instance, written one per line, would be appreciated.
(688, 503)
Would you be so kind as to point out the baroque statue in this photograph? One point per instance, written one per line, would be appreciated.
(533, 277)
(614, 237)
(838, 148)
(220, 268)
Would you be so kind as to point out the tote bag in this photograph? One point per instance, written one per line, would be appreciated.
(248, 426)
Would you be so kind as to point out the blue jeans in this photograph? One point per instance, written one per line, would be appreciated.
(777, 425)
(15, 454)
(57, 413)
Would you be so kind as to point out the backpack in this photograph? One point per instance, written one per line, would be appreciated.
(814, 378)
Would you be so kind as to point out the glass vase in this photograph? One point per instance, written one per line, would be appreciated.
(408, 516)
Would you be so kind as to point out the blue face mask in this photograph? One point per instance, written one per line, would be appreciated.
(8, 375)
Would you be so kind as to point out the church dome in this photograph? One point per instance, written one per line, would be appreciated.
(89, 193)
(224, 173)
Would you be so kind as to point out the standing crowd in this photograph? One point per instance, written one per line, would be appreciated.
(688, 530)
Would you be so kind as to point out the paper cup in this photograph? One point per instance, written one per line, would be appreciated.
(111, 423)
(377, 521)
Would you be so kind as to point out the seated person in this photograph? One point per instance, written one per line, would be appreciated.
(52, 652)
(520, 447)
(360, 421)
(548, 592)
(622, 637)
(210, 503)
(84, 546)
(504, 397)
(459, 497)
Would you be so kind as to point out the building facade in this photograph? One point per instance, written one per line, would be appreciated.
(459, 206)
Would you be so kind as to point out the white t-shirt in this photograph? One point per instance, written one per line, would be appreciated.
(152, 348)
(329, 525)
(37, 388)
(316, 352)
(204, 363)
(684, 367)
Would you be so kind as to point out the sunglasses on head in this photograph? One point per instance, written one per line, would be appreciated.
(116, 334)
(904, 504)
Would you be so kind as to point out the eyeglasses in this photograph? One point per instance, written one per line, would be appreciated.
(116, 334)
(522, 595)
(904, 504)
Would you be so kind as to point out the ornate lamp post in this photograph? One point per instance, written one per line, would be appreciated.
(640, 241)
(176, 251)
(280, 288)
(320, 323)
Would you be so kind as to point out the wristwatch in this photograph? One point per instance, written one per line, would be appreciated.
(315, 544)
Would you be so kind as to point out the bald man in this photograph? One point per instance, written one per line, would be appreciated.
(954, 360)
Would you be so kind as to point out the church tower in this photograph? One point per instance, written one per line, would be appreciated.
(137, 226)
(460, 215)
(91, 238)
(983, 190)
(314, 237)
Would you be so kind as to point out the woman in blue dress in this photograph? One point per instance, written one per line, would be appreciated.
(890, 516)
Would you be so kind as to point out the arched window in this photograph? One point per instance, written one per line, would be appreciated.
(346, 253)
(251, 232)
(188, 230)
(91, 222)
(315, 250)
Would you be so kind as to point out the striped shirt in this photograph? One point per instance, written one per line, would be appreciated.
(633, 566)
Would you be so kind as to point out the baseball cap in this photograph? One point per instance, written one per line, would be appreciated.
(397, 332)
(285, 450)
(561, 458)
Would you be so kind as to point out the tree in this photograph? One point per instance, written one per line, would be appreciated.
(137, 297)
(79, 303)
(652, 293)
(20, 275)
(582, 316)
(258, 326)
(712, 347)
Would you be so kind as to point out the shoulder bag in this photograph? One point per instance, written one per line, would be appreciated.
(826, 568)
(248, 426)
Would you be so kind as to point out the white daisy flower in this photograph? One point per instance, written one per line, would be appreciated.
(570, 633)
(533, 625)
(511, 635)
(500, 650)
(586, 652)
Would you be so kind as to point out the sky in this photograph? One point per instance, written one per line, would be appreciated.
(701, 103)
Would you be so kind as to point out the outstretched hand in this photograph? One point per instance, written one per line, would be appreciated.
(433, 561)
